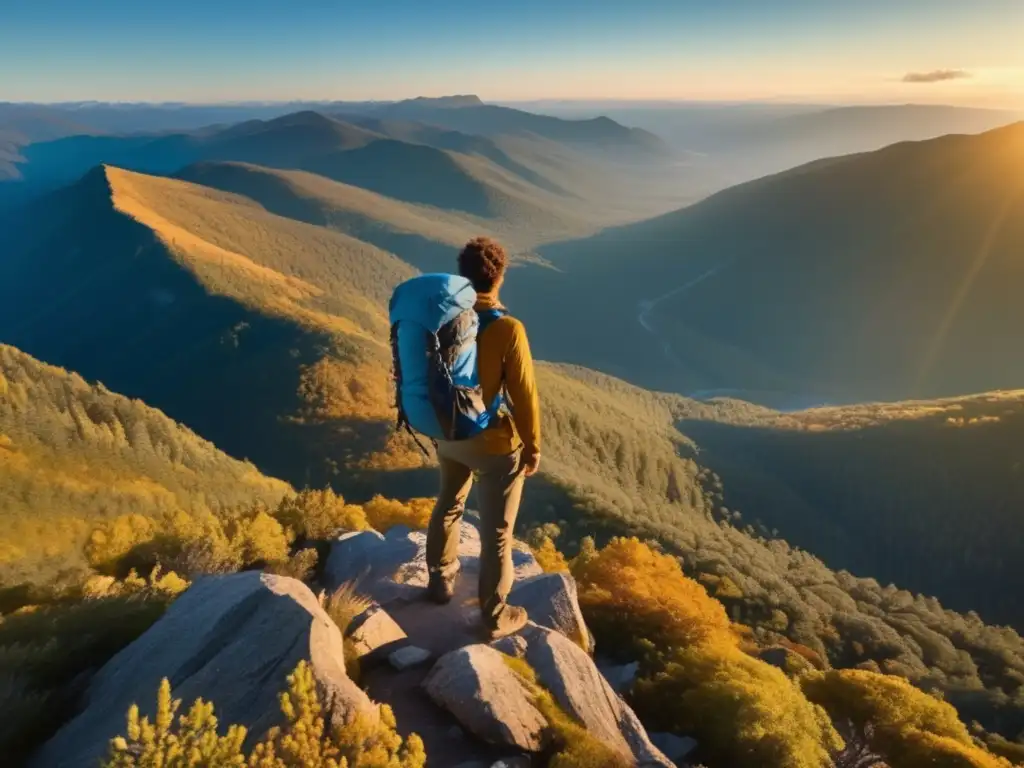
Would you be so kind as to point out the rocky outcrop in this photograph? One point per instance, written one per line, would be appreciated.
(374, 633)
(472, 680)
(394, 567)
(551, 601)
(392, 570)
(477, 686)
(231, 640)
(579, 688)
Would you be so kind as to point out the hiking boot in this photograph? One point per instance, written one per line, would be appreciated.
(511, 619)
(440, 590)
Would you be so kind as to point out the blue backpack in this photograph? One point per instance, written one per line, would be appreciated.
(433, 343)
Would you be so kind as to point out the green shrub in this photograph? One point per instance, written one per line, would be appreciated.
(744, 712)
(908, 726)
(320, 514)
(45, 649)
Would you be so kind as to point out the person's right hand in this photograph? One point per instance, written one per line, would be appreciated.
(531, 463)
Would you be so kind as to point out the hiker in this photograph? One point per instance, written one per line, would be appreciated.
(481, 410)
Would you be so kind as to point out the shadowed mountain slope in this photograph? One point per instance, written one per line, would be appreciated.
(454, 141)
(200, 302)
(521, 217)
(878, 276)
(291, 141)
(925, 494)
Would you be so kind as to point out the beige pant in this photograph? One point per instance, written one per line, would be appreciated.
(499, 491)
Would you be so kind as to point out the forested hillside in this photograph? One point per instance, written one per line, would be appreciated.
(74, 456)
(927, 495)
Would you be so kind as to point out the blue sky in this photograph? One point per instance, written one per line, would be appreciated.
(213, 50)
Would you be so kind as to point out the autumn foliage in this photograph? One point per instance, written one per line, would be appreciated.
(908, 726)
(246, 537)
(743, 711)
(629, 590)
(305, 740)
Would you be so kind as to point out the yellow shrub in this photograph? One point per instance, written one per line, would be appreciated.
(304, 740)
(299, 566)
(320, 514)
(259, 539)
(345, 604)
(630, 592)
(159, 584)
(110, 543)
(384, 514)
(189, 740)
(200, 544)
(744, 712)
(548, 556)
(910, 727)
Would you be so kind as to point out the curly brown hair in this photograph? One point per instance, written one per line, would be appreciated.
(483, 261)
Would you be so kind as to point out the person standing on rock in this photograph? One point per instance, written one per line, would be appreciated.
(489, 429)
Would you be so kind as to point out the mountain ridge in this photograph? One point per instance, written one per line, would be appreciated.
(805, 266)
(209, 295)
(491, 120)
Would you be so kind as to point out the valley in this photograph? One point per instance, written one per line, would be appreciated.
(831, 284)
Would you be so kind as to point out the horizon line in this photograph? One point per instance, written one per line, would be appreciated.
(776, 101)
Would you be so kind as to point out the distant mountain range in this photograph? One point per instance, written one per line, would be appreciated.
(884, 275)
(746, 140)
(470, 115)
(164, 135)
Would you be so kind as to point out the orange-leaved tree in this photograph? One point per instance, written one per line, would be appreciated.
(629, 592)
(743, 711)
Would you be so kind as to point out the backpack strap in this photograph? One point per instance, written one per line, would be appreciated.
(403, 420)
(488, 316)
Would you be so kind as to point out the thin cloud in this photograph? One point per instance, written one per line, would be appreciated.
(937, 76)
